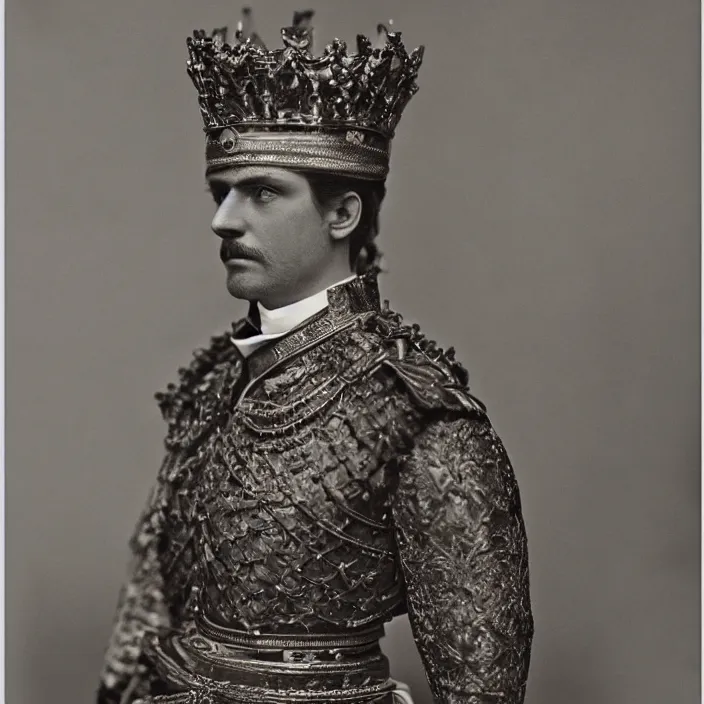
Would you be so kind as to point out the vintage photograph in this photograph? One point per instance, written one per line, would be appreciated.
(353, 352)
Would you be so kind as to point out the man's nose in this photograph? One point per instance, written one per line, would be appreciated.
(229, 220)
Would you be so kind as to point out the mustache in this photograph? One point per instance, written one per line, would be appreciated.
(236, 250)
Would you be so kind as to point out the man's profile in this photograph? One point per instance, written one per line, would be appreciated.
(326, 466)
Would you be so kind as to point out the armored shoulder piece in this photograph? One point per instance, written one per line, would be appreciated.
(432, 376)
(187, 406)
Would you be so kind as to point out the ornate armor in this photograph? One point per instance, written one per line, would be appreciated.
(341, 475)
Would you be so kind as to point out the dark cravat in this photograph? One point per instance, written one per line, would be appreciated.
(253, 323)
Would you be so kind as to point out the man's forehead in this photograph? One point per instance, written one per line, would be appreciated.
(235, 174)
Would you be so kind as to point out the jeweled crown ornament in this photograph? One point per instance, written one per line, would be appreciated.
(336, 112)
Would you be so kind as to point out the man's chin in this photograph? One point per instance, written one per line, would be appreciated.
(245, 285)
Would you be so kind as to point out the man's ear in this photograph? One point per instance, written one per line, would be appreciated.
(344, 215)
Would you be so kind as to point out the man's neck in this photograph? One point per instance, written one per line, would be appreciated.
(321, 283)
(280, 320)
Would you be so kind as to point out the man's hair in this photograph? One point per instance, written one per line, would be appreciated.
(364, 254)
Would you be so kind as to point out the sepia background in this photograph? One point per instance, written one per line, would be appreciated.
(542, 217)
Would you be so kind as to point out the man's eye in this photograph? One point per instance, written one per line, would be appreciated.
(264, 194)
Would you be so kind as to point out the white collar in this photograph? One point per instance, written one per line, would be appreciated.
(281, 320)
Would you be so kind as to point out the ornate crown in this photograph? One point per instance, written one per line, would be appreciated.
(336, 112)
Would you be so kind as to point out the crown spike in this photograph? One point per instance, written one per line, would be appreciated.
(364, 45)
(302, 23)
(245, 29)
(303, 18)
(382, 36)
(219, 36)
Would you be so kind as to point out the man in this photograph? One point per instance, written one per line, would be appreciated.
(326, 466)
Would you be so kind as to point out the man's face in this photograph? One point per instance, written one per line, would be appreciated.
(274, 239)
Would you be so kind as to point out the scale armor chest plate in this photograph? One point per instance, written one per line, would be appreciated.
(278, 514)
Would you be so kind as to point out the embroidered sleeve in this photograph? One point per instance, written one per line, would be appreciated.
(462, 548)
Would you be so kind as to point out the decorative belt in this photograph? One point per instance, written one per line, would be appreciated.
(204, 696)
(304, 641)
(207, 663)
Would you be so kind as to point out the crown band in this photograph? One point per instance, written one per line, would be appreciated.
(345, 153)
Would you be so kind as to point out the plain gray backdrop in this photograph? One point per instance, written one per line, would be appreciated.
(542, 217)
